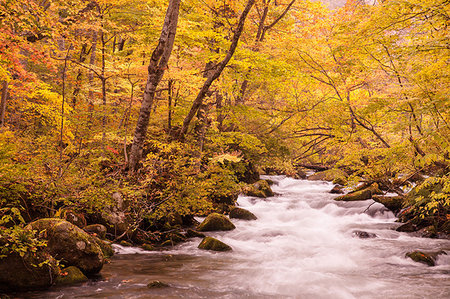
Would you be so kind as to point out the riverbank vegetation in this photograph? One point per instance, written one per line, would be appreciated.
(139, 115)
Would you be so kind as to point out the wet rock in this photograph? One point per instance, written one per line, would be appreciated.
(337, 189)
(70, 275)
(157, 285)
(330, 175)
(408, 227)
(363, 235)
(105, 246)
(98, 230)
(427, 258)
(259, 189)
(209, 243)
(70, 244)
(125, 243)
(393, 203)
(215, 222)
(361, 194)
(190, 233)
(147, 247)
(28, 272)
(240, 213)
(300, 174)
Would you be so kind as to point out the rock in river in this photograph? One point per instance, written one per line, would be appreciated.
(215, 222)
(240, 213)
(209, 243)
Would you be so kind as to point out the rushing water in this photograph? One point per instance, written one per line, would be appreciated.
(301, 246)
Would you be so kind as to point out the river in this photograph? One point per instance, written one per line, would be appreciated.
(301, 246)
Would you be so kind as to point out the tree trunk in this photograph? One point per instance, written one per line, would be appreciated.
(217, 71)
(156, 68)
(3, 103)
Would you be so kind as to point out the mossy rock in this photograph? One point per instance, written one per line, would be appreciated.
(190, 233)
(337, 189)
(70, 275)
(393, 203)
(105, 246)
(407, 227)
(239, 213)
(215, 222)
(125, 243)
(148, 247)
(70, 244)
(98, 230)
(259, 189)
(33, 271)
(330, 175)
(156, 284)
(421, 257)
(209, 243)
(361, 194)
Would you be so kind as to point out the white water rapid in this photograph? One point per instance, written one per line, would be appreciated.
(301, 246)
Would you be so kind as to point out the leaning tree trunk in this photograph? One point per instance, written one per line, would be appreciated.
(158, 64)
(217, 71)
(3, 102)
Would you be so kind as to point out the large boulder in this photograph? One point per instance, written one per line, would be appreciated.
(393, 203)
(33, 271)
(259, 189)
(239, 213)
(209, 243)
(361, 194)
(214, 222)
(332, 175)
(70, 244)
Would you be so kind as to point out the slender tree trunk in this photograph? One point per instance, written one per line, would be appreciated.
(156, 68)
(5, 85)
(91, 77)
(218, 70)
(170, 97)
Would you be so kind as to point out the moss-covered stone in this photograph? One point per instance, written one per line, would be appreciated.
(361, 194)
(70, 275)
(125, 243)
(209, 243)
(157, 285)
(337, 189)
(33, 271)
(239, 213)
(70, 244)
(330, 175)
(408, 227)
(393, 203)
(214, 222)
(98, 230)
(190, 233)
(106, 247)
(148, 247)
(259, 189)
(421, 257)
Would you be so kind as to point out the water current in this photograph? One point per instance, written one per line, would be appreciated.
(303, 245)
